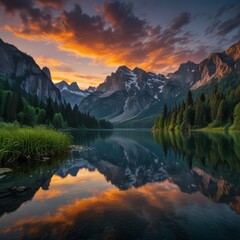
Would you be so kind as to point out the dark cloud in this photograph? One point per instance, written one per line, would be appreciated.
(124, 22)
(16, 5)
(228, 7)
(181, 20)
(212, 27)
(236, 37)
(29, 14)
(116, 37)
(226, 20)
(229, 25)
(83, 26)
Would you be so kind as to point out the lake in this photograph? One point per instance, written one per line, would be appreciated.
(128, 185)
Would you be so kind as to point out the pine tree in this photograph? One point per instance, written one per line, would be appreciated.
(49, 111)
(236, 117)
(58, 121)
(189, 100)
(222, 115)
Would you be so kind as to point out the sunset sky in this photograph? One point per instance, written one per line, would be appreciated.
(85, 40)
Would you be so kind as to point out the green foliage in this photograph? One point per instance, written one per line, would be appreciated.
(220, 109)
(31, 144)
(236, 121)
(58, 121)
(29, 110)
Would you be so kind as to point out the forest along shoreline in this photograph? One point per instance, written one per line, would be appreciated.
(219, 112)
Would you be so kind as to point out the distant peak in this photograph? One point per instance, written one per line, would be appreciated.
(189, 63)
(63, 82)
(138, 70)
(73, 84)
(91, 89)
(61, 85)
(123, 68)
(47, 72)
(74, 87)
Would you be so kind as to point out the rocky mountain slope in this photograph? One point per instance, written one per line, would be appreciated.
(23, 71)
(71, 93)
(128, 97)
(124, 94)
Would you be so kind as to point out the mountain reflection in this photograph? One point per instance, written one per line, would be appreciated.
(209, 163)
(132, 185)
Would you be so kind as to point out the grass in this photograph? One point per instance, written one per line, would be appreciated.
(31, 144)
(211, 129)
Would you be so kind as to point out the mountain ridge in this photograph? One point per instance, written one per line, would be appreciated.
(143, 90)
(71, 93)
(126, 95)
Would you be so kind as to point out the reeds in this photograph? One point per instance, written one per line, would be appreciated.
(31, 144)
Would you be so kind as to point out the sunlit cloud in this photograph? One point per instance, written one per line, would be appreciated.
(83, 81)
(45, 61)
(116, 35)
(117, 38)
(153, 200)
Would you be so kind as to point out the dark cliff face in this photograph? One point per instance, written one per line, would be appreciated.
(22, 69)
(187, 73)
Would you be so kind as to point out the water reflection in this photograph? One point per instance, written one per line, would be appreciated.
(216, 149)
(129, 186)
(88, 136)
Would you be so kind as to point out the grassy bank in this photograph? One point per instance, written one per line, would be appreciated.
(31, 144)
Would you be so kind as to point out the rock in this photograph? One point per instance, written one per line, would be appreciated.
(21, 189)
(4, 170)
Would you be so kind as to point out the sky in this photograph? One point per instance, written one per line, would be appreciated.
(83, 41)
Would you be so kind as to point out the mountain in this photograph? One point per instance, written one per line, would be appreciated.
(71, 93)
(133, 98)
(25, 73)
(124, 94)
(127, 97)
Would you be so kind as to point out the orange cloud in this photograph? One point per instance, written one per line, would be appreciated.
(116, 38)
(45, 61)
(61, 71)
(43, 195)
(83, 81)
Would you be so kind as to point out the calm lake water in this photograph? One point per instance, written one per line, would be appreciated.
(128, 185)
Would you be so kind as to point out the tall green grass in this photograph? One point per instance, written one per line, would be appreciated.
(31, 144)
